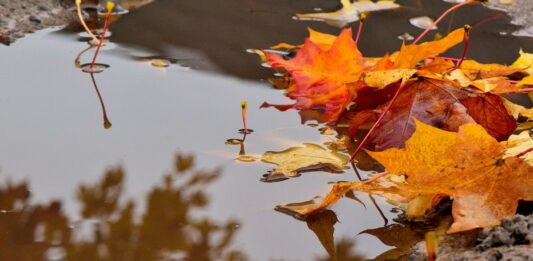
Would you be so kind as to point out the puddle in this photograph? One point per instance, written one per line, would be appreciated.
(57, 135)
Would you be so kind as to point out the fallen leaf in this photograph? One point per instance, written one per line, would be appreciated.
(517, 110)
(324, 41)
(437, 103)
(323, 77)
(302, 209)
(496, 85)
(410, 55)
(382, 187)
(475, 70)
(516, 144)
(349, 12)
(340, 18)
(435, 67)
(371, 6)
(469, 166)
(524, 62)
(528, 80)
(291, 162)
(422, 22)
(381, 79)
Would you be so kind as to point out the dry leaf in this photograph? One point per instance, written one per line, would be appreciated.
(518, 144)
(524, 62)
(517, 110)
(468, 166)
(323, 77)
(410, 55)
(381, 79)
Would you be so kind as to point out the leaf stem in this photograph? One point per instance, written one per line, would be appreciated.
(362, 19)
(380, 175)
(465, 50)
(245, 130)
(376, 124)
(442, 17)
(526, 90)
(524, 152)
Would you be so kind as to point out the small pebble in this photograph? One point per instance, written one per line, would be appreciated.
(35, 20)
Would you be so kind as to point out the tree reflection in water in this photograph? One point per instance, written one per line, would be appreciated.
(165, 231)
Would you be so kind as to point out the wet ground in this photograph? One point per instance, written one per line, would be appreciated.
(54, 138)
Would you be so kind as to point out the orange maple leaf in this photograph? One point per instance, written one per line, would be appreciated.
(410, 55)
(469, 166)
(323, 77)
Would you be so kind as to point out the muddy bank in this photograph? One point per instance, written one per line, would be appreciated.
(512, 240)
(19, 17)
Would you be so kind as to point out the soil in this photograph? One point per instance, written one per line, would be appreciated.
(512, 240)
(19, 17)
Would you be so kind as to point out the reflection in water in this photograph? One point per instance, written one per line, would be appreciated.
(166, 230)
(322, 224)
(92, 69)
(107, 123)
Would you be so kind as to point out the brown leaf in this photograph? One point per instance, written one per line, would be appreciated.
(441, 104)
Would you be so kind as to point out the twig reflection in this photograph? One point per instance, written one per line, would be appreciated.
(107, 123)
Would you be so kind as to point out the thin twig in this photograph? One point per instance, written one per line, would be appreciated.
(441, 17)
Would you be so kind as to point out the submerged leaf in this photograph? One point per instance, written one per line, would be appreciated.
(295, 160)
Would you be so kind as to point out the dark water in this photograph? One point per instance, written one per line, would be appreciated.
(54, 141)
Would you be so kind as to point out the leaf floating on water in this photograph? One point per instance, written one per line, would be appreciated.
(246, 158)
(302, 209)
(406, 37)
(160, 63)
(97, 68)
(371, 6)
(293, 161)
(349, 12)
(422, 22)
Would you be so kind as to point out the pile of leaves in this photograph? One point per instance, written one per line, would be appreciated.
(446, 131)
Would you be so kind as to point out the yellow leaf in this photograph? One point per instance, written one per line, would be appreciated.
(382, 79)
(469, 166)
(475, 70)
(525, 80)
(323, 40)
(524, 62)
(410, 55)
(291, 161)
(517, 110)
(518, 144)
